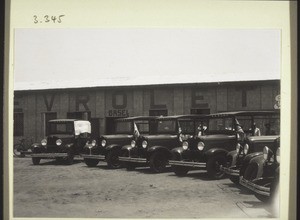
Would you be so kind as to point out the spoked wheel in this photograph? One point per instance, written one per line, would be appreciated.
(213, 166)
(91, 162)
(180, 171)
(36, 160)
(112, 159)
(235, 179)
(158, 162)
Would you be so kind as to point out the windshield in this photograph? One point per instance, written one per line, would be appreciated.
(123, 127)
(143, 127)
(268, 125)
(166, 127)
(187, 126)
(220, 125)
(61, 128)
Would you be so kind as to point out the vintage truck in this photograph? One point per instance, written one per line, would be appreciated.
(154, 149)
(66, 139)
(262, 173)
(253, 144)
(108, 147)
(222, 133)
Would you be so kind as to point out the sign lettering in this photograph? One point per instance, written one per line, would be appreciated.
(119, 100)
(83, 100)
(118, 113)
(49, 105)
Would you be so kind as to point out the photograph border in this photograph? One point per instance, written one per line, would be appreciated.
(169, 14)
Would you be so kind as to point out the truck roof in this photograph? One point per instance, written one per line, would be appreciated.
(245, 113)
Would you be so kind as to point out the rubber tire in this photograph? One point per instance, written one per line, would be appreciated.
(180, 171)
(112, 160)
(36, 160)
(91, 162)
(69, 160)
(235, 179)
(212, 164)
(158, 162)
(130, 166)
(16, 149)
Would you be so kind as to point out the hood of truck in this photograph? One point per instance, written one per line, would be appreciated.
(257, 143)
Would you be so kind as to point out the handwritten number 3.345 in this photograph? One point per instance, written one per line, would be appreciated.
(47, 19)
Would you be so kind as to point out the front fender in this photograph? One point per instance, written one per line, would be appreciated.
(231, 157)
(165, 150)
(259, 161)
(113, 147)
(247, 160)
(69, 145)
(177, 153)
(37, 148)
(215, 151)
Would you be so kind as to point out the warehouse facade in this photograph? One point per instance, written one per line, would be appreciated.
(101, 105)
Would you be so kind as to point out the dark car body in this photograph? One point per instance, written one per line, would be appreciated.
(252, 146)
(262, 173)
(154, 150)
(108, 147)
(66, 139)
(224, 131)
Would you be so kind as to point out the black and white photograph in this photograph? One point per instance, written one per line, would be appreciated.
(147, 121)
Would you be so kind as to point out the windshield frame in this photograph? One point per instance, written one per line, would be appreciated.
(51, 124)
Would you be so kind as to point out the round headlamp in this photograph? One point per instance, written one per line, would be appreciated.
(44, 142)
(58, 142)
(246, 148)
(238, 147)
(144, 144)
(93, 143)
(133, 143)
(103, 143)
(266, 152)
(200, 146)
(278, 155)
(185, 145)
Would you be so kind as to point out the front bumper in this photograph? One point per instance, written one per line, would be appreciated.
(232, 171)
(253, 186)
(49, 155)
(93, 156)
(133, 159)
(187, 163)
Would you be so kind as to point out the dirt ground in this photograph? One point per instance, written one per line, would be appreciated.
(78, 191)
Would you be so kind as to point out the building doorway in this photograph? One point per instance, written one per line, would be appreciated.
(110, 124)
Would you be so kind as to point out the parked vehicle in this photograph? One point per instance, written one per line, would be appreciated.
(253, 143)
(222, 133)
(66, 139)
(154, 150)
(108, 147)
(262, 173)
(23, 147)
